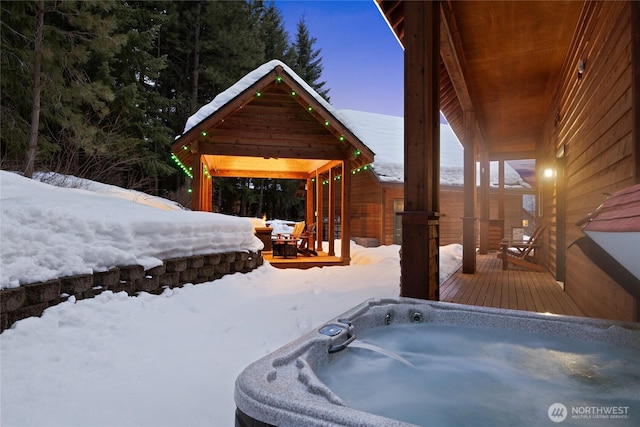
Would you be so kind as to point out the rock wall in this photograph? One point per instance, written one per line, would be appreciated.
(32, 299)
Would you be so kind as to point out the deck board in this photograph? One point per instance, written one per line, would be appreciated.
(516, 288)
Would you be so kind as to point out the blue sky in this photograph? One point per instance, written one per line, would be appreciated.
(363, 61)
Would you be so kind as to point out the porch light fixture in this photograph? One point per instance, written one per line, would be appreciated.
(548, 173)
(581, 67)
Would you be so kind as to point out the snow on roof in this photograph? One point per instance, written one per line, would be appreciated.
(241, 85)
(384, 135)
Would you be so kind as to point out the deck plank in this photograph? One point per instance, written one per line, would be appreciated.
(516, 288)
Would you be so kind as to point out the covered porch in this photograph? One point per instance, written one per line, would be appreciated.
(515, 288)
(551, 81)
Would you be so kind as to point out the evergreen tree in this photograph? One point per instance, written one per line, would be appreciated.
(97, 118)
(17, 51)
(306, 61)
(273, 33)
(226, 38)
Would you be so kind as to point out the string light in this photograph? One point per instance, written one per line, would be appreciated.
(279, 79)
(258, 94)
(293, 93)
(203, 133)
(326, 122)
(341, 137)
(181, 165)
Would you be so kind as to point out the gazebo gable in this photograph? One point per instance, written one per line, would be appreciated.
(269, 124)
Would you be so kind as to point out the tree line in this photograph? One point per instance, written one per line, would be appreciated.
(99, 89)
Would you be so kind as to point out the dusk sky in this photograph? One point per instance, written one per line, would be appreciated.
(362, 59)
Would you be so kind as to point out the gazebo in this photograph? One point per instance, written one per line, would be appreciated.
(272, 124)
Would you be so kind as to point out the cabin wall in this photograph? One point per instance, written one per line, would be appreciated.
(391, 192)
(373, 216)
(591, 121)
(367, 206)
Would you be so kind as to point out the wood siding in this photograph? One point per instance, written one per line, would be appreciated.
(372, 212)
(591, 120)
(367, 206)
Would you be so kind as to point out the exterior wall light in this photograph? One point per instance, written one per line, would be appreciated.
(581, 68)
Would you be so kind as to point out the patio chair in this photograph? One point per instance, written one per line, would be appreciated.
(298, 230)
(522, 252)
(303, 246)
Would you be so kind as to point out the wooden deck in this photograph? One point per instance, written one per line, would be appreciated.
(302, 262)
(515, 288)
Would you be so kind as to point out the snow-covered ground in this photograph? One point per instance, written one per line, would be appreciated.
(167, 360)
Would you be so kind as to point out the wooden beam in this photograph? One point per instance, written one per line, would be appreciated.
(196, 184)
(635, 86)
(310, 211)
(274, 151)
(236, 173)
(319, 209)
(330, 165)
(331, 214)
(484, 201)
(345, 213)
(420, 226)
(501, 190)
(469, 219)
(453, 56)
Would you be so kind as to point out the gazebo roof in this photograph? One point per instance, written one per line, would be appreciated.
(270, 124)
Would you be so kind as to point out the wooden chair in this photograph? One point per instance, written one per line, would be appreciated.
(298, 230)
(522, 252)
(303, 246)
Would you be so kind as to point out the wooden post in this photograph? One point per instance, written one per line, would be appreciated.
(501, 191)
(484, 201)
(420, 224)
(469, 220)
(345, 213)
(319, 211)
(331, 215)
(310, 214)
(196, 183)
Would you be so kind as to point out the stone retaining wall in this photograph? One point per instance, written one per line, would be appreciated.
(32, 299)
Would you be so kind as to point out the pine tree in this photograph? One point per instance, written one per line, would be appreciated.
(273, 33)
(98, 115)
(18, 22)
(226, 38)
(306, 61)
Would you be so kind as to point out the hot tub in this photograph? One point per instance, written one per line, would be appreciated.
(403, 362)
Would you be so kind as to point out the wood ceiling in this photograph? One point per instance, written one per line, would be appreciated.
(502, 59)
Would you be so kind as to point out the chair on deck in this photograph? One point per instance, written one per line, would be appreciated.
(298, 230)
(522, 252)
(303, 246)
